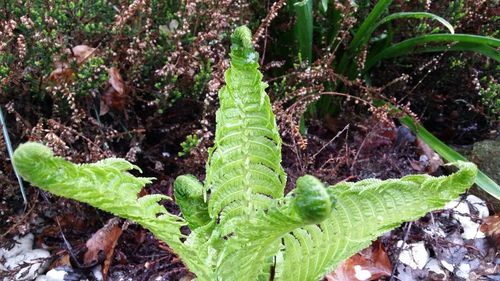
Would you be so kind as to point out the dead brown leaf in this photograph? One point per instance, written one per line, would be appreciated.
(430, 160)
(369, 264)
(491, 227)
(102, 244)
(63, 71)
(116, 81)
(116, 95)
(376, 134)
(63, 260)
(82, 52)
(66, 222)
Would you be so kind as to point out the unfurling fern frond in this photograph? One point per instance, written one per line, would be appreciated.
(244, 172)
(188, 192)
(362, 212)
(106, 185)
(243, 228)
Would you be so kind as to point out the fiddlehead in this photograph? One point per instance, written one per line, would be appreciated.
(188, 192)
(312, 201)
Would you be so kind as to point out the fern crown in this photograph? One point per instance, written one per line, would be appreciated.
(243, 226)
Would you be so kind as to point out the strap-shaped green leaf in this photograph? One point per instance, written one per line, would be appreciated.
(362, 212)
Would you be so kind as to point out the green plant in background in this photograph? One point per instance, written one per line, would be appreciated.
(50, 30)
(201, 79)
(304, 28)
(490, 96)
(242, 225)
(346, 64)
(191, 142)
(79, 18)
(91, 75)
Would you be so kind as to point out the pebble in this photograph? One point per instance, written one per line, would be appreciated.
(479, 205)
(463, 270)
(433, 265)
(448, 265)
(462, 214)
(55, 274)
(415, 255)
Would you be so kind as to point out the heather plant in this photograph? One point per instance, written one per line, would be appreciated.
(159, 52)
(489, 96)
(242, 225)
(163, 52)
(191, 142)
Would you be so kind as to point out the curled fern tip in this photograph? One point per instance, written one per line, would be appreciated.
(242, 38)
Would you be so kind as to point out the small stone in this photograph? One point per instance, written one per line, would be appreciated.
(97, 272)
(21, 244)
(461, 213)
(30, 263)
(479, 205)
(463, 270)
(56, 274)
(414, 255)
(448, 265)
(433, 265)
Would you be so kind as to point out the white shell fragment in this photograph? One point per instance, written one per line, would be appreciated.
(361, 274)
(97, 272)
(462, 214)
(479, 205)
(458, 206)
(62, 273)
(433, 265)
(463, 270)
(471, 228)
(55, 274)
(415, 255)
(448, 265)
(22, 244)
(23, 260)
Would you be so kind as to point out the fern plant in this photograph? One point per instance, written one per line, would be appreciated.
(242, 225)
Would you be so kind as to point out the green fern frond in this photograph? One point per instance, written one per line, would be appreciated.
(244, 170)
(255, 242)
(362, 212)
(106, 185)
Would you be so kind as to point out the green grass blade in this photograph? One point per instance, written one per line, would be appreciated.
(304, 28)
(362, 34)
(464, 47)
(465, 42)
(366, 26)
(416, 15)
(482, 180)
(324, 5)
